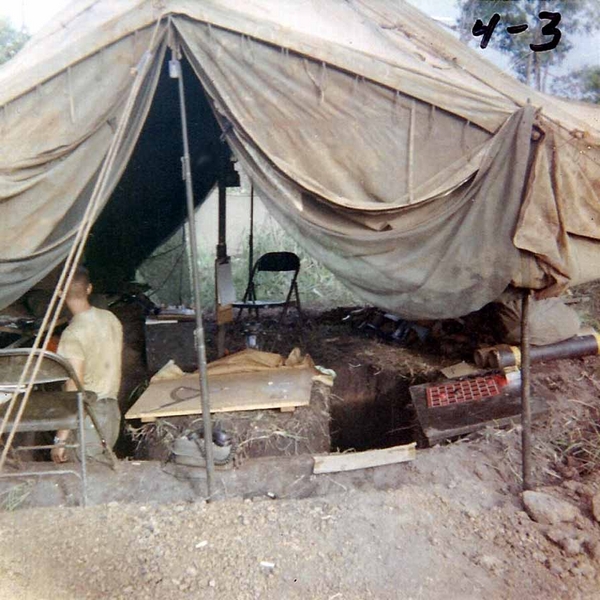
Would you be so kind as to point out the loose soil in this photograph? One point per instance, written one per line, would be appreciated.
(449, 525)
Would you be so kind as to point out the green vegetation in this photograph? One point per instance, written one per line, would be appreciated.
(167, 272)
(15, 496)
(577, 17)
(583, 84)
(11, 40)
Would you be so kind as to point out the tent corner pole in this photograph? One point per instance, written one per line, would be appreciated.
(526, 391)
(176, 73)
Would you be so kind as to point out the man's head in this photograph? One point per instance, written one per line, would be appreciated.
(80, 287)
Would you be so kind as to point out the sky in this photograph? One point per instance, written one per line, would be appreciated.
(33, 14)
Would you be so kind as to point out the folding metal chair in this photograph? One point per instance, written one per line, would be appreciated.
(49, 411)
(272, 262)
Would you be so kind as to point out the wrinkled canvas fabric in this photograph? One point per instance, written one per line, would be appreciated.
(550, 320)
(392, 152)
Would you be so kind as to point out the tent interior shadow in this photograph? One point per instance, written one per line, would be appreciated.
(148, 204)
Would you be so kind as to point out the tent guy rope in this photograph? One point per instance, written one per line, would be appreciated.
(31, 368)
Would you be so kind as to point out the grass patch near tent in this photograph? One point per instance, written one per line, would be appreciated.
(167, 272)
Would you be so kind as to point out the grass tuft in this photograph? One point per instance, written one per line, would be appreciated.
(15, 496)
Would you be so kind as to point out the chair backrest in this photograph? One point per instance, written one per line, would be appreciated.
(53, 367)
(278, 261)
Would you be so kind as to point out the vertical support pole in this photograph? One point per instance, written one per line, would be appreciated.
(221, 330)
(525, 392)
(251, 236)
(221, 253)
(176, 73)
(222, 241)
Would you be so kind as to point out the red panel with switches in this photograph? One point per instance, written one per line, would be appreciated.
(467, 390)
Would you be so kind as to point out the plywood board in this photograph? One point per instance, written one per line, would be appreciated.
(335, 463)
(271, 388)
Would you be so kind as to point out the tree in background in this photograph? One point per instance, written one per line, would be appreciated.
(583, 84)
(11, 40)
(509, 36)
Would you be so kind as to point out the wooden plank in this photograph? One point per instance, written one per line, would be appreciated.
(228, 392)
(351, 461)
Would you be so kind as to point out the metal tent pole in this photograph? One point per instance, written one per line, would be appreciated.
(221, 253)
(525, 392)
(251, 236)
(176, 73)
(222, 241)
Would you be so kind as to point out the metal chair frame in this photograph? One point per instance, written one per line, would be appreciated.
(83, 407)
(273, 262)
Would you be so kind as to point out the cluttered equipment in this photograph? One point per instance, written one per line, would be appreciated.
(489, 392)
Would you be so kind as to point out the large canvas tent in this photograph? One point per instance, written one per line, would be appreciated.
(421, 175)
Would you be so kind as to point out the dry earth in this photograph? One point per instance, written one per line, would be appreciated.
(450, 525)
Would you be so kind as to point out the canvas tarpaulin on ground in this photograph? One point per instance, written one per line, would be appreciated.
(422, 176)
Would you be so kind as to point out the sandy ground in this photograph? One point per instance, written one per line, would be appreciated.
(449, 525)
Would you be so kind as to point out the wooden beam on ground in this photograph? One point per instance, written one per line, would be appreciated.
(351, 461)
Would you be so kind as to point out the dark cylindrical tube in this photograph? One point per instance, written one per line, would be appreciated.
(526, 393)
(481, 356)
(503, 356)
(222, 242)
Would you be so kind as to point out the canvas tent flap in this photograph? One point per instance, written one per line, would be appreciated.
(392, 152)
(444, 266)
(54, 142)
(337, 135)
(562, 200)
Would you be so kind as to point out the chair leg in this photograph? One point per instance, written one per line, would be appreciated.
(287, 303)
(282, 315)
(298, 307)
(239, 315)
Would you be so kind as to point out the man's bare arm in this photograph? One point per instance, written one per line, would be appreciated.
(79, 368)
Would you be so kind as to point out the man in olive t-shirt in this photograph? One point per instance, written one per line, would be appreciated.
(93, 344)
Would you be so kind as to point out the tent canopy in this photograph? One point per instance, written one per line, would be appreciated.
(421, 175)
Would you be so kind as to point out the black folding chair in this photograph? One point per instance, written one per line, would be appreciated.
(50, 411)
(272, 262)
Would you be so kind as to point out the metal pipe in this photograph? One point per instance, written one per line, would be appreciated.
(251, 236)
(481, 356)
(222, 241)
(526, 393)
(176, 72)
(221, 252)
(503, 356)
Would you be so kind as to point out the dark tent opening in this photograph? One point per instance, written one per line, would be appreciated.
(148, 204)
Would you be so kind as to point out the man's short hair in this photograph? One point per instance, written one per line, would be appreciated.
(79, 283)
